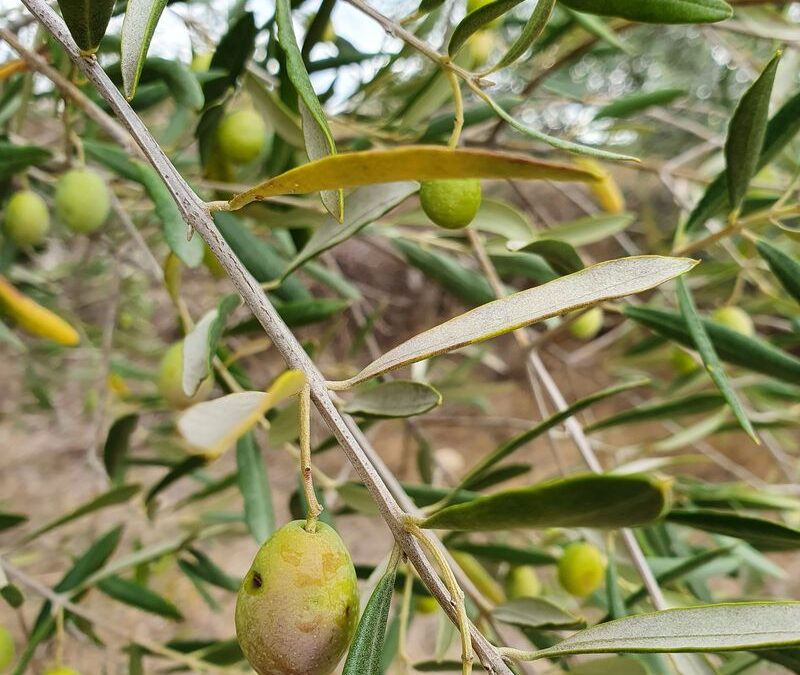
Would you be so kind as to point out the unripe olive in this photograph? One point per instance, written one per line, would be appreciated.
(241, 136)
(682, 361)
(581, 568)
(82, 200)
(522, 582)
(297, 607)
(736, 319)
(588, 324)
(451, 203)
(425, 604)
(6, 648)
(170, 380)
(27, 219)
(480, 47)
(61, 670)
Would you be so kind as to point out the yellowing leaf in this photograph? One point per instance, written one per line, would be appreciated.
(212, 427)
(34, 318)
(413, 162)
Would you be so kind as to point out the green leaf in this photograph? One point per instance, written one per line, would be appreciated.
(465, 283)
(746, 133)
(657, 11)
(737, 495)
(516, 442)
(9, 520)
(598, 283)
(783, 266)
(141, 19)
(181, 81)
(254, 486)
(409, 162)
(497, 552)
(87, 21)
(318, 138)
(364, 206)
(207, 570)
(139, 596)
(200, 344)
(116, 495)
(591, 229)
(591, 500)
(364, 657)
(283, 120)
(765, 535)
(187, 466)
(781, 129)
(732, 347)
(530, 31)
(638, 102)
(600, 30)
(560, 255)
(694, 404)
(711, 361)
(115, 450)
(498, 475)
(396, 398)
(477, 20)
(618, 665)
(16, 158)
(707, 628)
(231, 56)
(537, 613)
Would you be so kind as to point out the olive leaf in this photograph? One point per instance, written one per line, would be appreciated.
(783, 266)
(136, 595)
(87, 21)
(411, 162)
(499, 552)
(694, 404)
(251, 473)
(638, 102)
(200, 344)
(115, 449)
(9, 520)
(746, 133)
(560, 255)
(15, 158)
(707, 628)
(586, 500)
(211, 427)
(604, 281)
(711, 361)
(396, 398)
(318, 138)
(538, 613)
(476, 20)
(765, 535)
(141, 19)
(588, 230)
(530, 31)
(657, 11)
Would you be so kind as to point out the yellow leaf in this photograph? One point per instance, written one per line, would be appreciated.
(12, 67)
(34, 318)
(605, 190)
(413, 162)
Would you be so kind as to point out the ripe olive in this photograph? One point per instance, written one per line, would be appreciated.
(170, 380)
(241, 136)
(581, 568)
(451, 203)
(523, 582)
(588, 324)
(297, 607)
(6, 648)
(736, 319)
(27, 219)
(82, 200)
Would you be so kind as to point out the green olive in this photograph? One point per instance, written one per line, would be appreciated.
(27, 219)
(523, 582)
(242, 136)
(451, 204)
(581, 568)
(588, 324)
(170, 380)
(6, 648)
(736, 319)
(82, 200)
(297, 607)
(682, 361)
(426, 604)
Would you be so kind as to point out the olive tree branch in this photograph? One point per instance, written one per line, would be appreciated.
(370, 469)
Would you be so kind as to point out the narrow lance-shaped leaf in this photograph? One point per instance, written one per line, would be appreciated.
(746, 134)
(9, 520)
(477, 20)
(537, 613)
(200, 344)
(212, 427)
(783, 266)
(141, 19)
(601, 282)
(635, 103)
(139, 596)
(364, 657)
(657, 11)
(254, 486)
(530, 31)
(590, 500)
(115, 450)
(411, 162)
(694, 404)
(396, 398)
(708, 628)
(15, 158)
(318, 138)
(711, 361)
(763, 534)
(560, 255)
(87, 21)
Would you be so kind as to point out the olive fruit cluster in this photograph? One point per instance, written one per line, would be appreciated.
(297, 607)
(82, 204)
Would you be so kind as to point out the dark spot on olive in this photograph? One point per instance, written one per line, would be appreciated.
(257, 581)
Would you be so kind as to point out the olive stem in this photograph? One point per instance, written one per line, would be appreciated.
(458, 100)
(405, 615)
(304, 414)
(219, 205)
